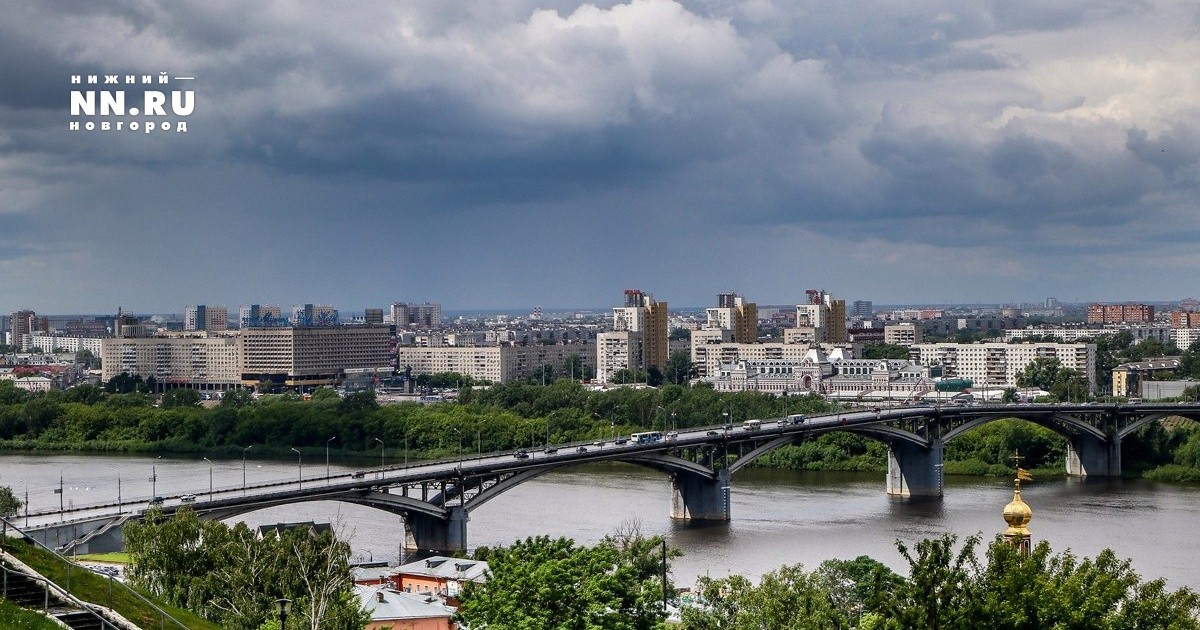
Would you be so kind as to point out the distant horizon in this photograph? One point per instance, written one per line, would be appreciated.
(448, 313)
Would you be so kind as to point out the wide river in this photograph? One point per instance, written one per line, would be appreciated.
(779, 517)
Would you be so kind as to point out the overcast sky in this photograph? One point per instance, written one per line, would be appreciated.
(513, 153)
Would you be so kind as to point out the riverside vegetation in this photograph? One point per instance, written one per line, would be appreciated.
(123, 417)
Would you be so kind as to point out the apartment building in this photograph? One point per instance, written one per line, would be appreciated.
(998, 364)
(311, 356)
(427, 315)
(735, 314)
(209, 363)
(260, 315)
(1120, 314)
(639, 338)
(903, 334)
(499, 364)
(198, 317)
(1185, 319)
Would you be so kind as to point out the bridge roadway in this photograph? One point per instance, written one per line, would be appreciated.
(435, 498)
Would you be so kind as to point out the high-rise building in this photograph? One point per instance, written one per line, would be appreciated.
(201, 317)
(1185, 319)
(1120, 314)
(639, 339)
(427, 315)
(314, 315)
(258, 315)
(24, 324)
(735, 314)
(862, 308)
(822, 319)
(373, 316)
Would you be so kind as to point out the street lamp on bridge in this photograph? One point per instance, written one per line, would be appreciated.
(299, 466)
(244, 449)
(209, 477)
(381, 451)
(327, 456)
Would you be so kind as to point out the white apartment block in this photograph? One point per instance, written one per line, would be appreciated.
(1185, 337)
(617, 350)
(499, 364)
(998, 364)
(311, 356)
(716, 355)
(51, 343)
(1073, 335)
(197, 362)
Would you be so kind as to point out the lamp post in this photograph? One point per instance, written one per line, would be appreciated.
(327, 456)
(209, 477)
(283, 606)
(244, 449)
(299, 466)
(154, 476)
(381, 451)
(60, 494)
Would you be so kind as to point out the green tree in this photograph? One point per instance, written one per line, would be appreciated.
(885, 351)
(786, 598)
(1048, 373)
(232, 577)
(679, 368)
(180, 397)
(542, 584)
(236, 398)
(9, 503)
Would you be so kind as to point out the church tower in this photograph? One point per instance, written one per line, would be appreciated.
(1018, 514)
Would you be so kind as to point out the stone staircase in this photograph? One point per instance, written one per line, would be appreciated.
(32, 593)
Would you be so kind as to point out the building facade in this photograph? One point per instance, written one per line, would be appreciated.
(1120, 314)
(426, 316)
(498, 364)
(197, 317)
(311, 356)
(208, 363)
(998, 364)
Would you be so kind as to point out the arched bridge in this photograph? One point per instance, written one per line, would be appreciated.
(436, 498)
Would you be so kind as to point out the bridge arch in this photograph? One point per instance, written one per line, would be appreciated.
(387, 502)
(1055, 422)
(1152, 417)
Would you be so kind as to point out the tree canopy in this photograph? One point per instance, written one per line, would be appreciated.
(544, 583)
(231, 576)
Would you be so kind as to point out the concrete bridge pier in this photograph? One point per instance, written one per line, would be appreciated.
(699, 498)
(424, 532)
(914, 471)
(1089, 456)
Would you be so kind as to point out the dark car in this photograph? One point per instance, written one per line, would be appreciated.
(712, 433)
(358, 474)
(157, 501)
(521, 455)
(582, 449)
(620, 441)
(550, 450)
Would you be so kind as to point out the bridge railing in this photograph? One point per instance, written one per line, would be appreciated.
(79, 591)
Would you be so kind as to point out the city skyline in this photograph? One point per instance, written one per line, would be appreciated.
(558, 152)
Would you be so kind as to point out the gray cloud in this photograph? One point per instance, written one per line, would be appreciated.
(449, 139)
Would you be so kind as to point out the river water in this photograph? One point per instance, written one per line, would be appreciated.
(779, 517)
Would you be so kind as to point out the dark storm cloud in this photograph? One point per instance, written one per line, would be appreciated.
(1006, 132)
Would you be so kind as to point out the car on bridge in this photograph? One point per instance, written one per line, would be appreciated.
(620, 441)
(550, 450)
(521, 454)
(713, 433)
(188, 498)
(358, 474)
(157, 501)
(796, 418)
